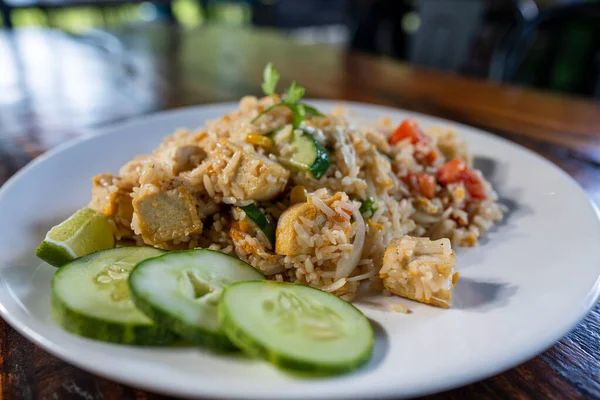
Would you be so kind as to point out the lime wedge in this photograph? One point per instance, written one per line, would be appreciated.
(82, 233)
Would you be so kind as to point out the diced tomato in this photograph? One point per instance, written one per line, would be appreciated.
(426, 185)
(408, 129)
(422, 183)
(473, 185)
(451, 172)
(457, 171)
(426, 158)
(431, 157)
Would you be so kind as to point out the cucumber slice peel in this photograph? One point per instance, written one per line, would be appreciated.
(90, 298)
(261, 220)
(307, 155)
(310, 155)
(181, 290)
(296, 327)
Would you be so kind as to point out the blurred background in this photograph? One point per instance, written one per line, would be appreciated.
(548, 44)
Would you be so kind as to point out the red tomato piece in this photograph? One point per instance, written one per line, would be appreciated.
(452, 172)
(431, 157)
(424, 184)
(408, 129)
(457, 171)
(473, 185)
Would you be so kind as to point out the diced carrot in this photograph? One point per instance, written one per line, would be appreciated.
(408, 129)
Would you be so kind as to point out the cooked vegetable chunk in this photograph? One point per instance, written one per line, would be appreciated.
(287, 243)
(112, 197)
(160, 216)
(242, 173)
(420, 269)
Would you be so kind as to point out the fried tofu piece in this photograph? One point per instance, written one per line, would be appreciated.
(286, 236)
(244, 174)
(183, 150)
(254, 178)
(104, 194)
(420, 269)
(112, 197)
(291, 222)
(160, 216)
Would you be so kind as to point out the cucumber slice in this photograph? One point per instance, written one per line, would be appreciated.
(296, 327)
(261, 220)
(181, 290)
(90, 297)
(309, 155)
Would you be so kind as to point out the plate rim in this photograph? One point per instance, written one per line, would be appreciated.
(586, 304)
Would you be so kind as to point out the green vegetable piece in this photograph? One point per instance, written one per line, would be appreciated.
(296, 327)
(271, 78)
(293, 94)
(290, 100)
(84, 232)
(368, 206)
(181, 290)
(90, 297)
(299, 113)
(261, 220)
(310, 110)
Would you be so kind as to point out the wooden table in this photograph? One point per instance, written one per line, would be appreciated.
(54, 87)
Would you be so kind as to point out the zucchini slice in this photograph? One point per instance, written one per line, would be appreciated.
(261, 220)
(309, 155)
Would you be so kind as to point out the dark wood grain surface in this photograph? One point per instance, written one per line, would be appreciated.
(54, 87)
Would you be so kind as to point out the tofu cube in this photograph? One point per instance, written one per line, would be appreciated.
(292, 224)
(420, 269)
(286, 242)
(160, 216)
(244, 174)
(260, 178)
(104, 194)
(112, 197)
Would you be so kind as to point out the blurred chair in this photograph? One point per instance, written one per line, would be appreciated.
(446, 32)
(453, 35)
(558, 50)
(376, 27)
(289, 14)
(293, 14)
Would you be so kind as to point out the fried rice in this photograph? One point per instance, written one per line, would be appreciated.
(326, 235)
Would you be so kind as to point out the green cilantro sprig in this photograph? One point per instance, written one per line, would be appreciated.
(291, 98)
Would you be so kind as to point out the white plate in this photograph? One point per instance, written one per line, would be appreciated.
(532, 278)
